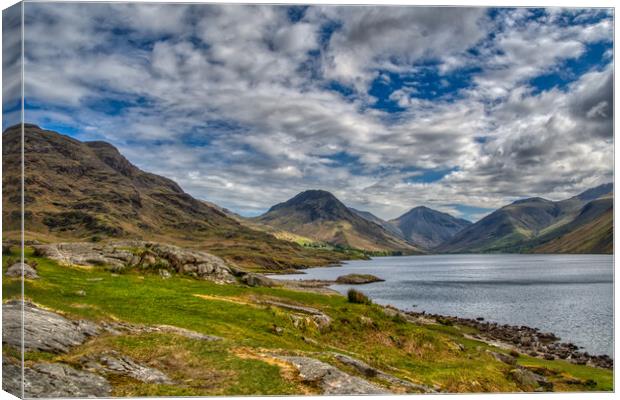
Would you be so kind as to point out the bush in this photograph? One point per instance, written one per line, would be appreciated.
(357, 297)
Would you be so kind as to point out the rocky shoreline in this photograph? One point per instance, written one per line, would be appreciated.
(522, 339)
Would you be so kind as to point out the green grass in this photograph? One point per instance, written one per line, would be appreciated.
(428, 354)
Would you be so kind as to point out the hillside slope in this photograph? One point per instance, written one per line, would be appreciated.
(427, 227)
(88, 191)
(527, 224)
(319, 215)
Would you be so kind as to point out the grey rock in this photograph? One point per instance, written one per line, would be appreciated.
(330, 379)
(15, 271)
(164, 273)
(112, 362)
(53, 380)
(251, 279)
(370, 372)
(505, 358)
(43, 330)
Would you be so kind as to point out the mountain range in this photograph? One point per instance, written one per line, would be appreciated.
(318, 214)
(540, 225)
(88, 191)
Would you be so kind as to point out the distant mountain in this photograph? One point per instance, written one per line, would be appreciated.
(427, 227)
(590, 232)
(319, 215)
(383, 223)
(526, 225)
(88, 191)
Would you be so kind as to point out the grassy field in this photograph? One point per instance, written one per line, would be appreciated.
(430, 354)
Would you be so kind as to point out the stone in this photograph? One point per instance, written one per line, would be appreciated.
(330, 379)
(164, 274)
(114, 363)
(53, 380)
(43, 330)
(15, 271)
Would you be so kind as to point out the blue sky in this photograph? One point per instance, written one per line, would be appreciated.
(458, 109)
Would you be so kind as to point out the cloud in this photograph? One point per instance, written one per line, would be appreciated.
(247, 105)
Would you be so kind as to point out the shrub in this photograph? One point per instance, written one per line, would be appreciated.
(357, 297)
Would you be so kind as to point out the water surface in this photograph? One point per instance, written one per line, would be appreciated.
(569, 295)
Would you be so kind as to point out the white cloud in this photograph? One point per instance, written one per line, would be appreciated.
(227, 100)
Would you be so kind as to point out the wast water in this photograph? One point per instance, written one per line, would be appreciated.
(569, 295)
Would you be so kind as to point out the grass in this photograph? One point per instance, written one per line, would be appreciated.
(430, 354)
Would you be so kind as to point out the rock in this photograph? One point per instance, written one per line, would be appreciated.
(361, 366)
(43, 330)
(528, 378)
(114, 363)
(164, 273)
(505, 358)
(251, 279)
(15, 271)
(523, 377)
(81, 293)
(357, 279)
(371, 372)
(53, 380)
(120, 255)
(330, 379)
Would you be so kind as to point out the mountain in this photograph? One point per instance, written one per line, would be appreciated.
(590, 232)
(526, 225)
(319, 215)
(88, 191)
(427, 227)
(384, 224)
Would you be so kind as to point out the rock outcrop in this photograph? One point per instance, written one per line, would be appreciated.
(371, 372)
(144, 255)
(50, 332)
(43, 330)
(53, 380)
(330, 379)
(114, 363)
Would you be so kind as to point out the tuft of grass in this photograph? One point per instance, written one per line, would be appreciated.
(357, 297)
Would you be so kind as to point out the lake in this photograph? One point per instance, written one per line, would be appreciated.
(569, 295)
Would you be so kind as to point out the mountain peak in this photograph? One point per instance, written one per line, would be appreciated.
(427, 227)
(318, 214)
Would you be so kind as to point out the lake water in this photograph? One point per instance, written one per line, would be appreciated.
(569, 295)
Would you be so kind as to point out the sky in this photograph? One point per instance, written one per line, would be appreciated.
(459, 109)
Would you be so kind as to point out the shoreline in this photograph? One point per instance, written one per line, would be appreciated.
(522, 339)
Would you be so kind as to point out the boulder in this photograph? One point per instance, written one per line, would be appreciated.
(15, 271)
